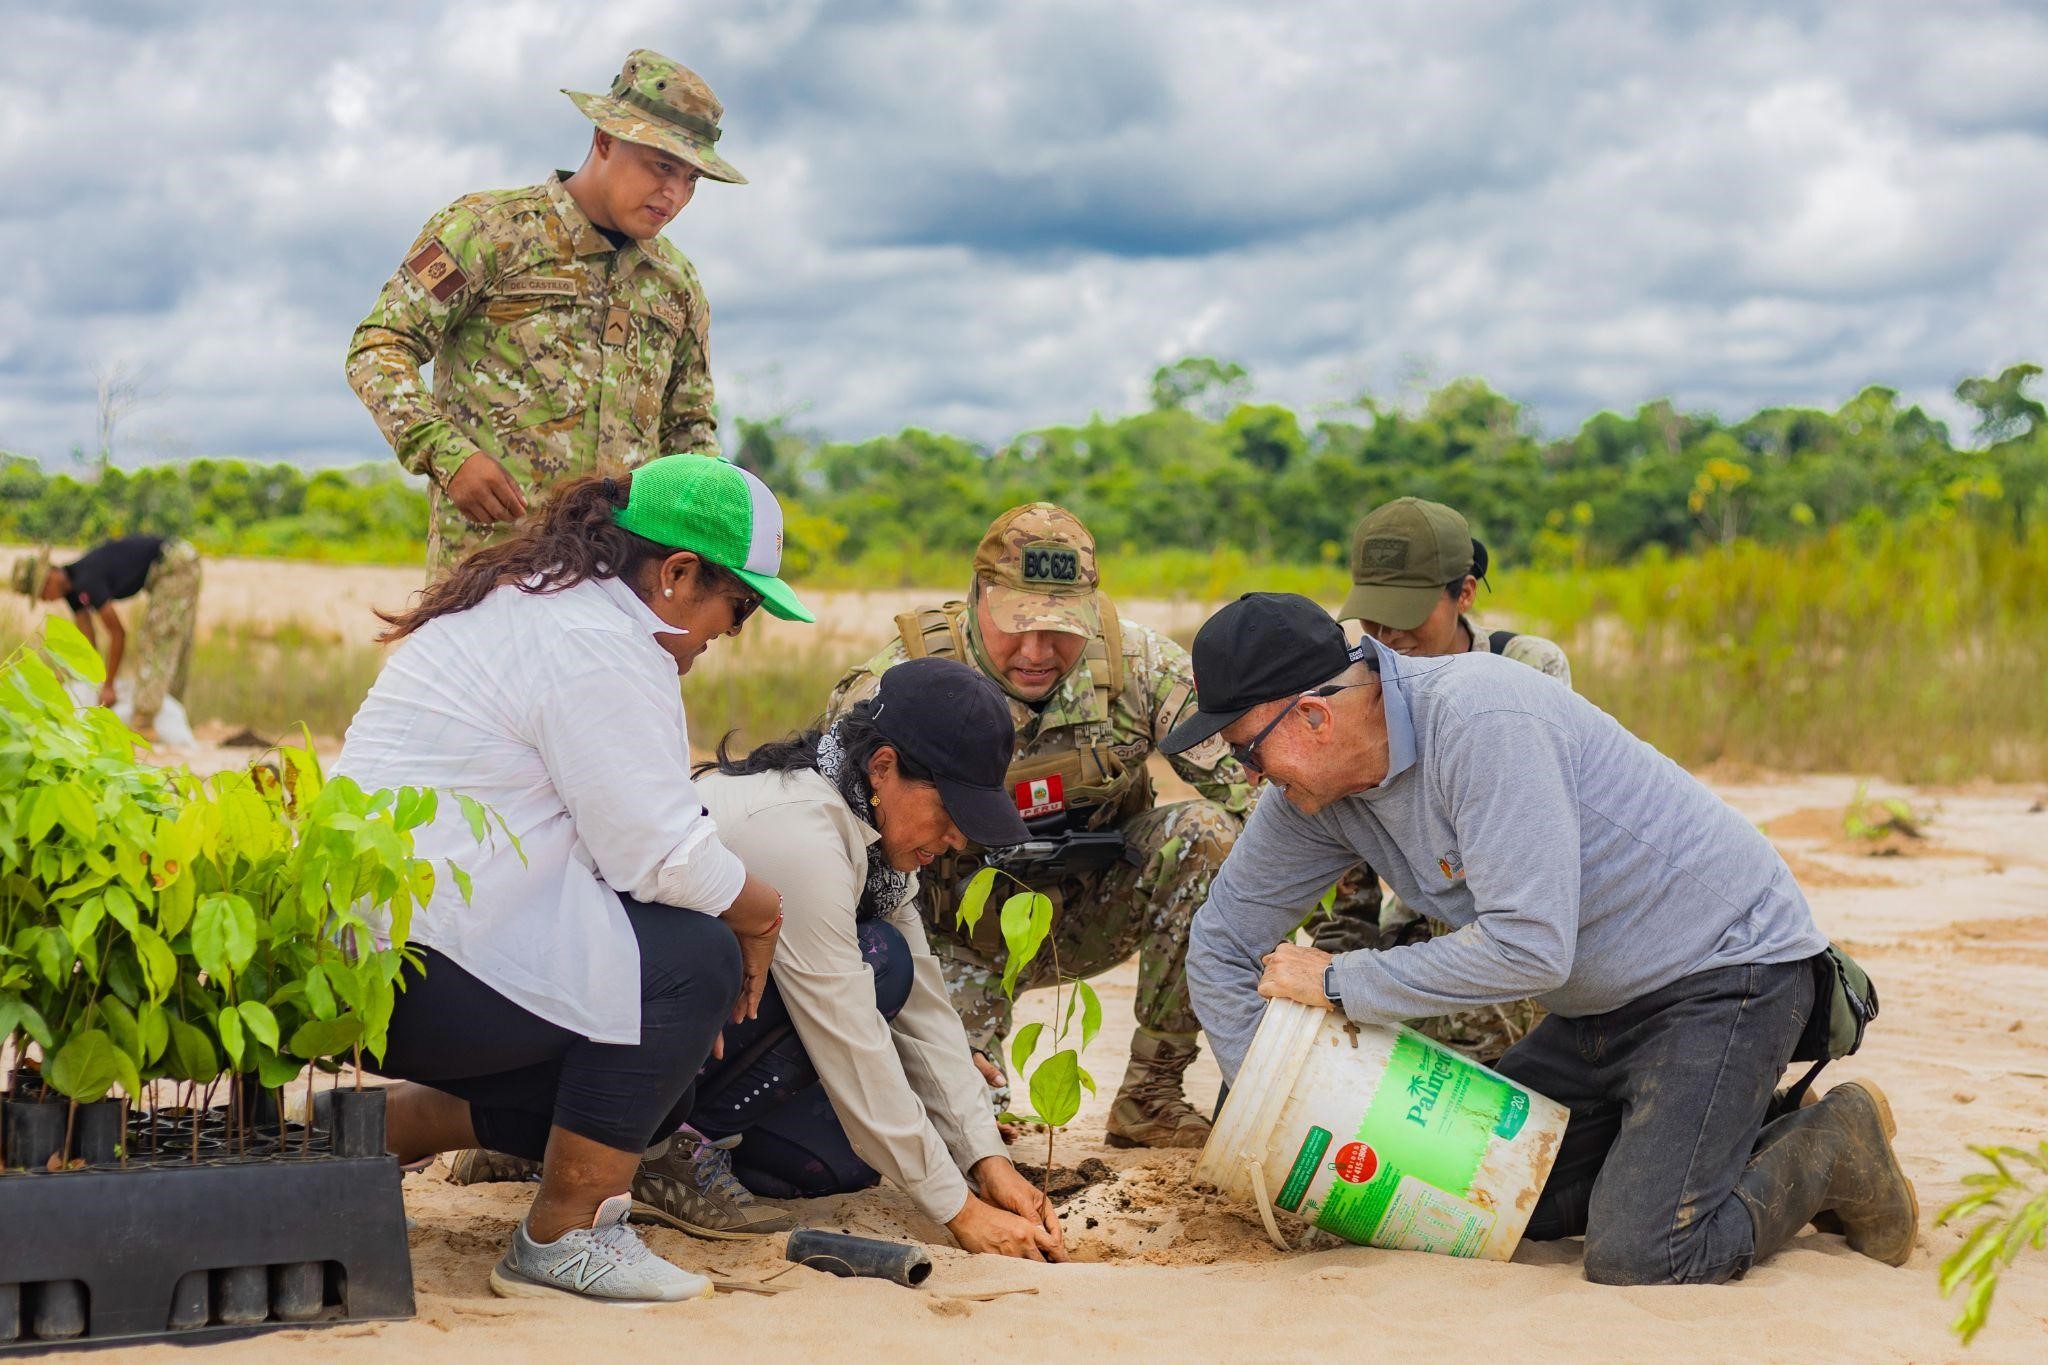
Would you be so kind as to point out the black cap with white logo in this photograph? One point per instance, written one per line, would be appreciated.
(947, 717)
(1260, 648)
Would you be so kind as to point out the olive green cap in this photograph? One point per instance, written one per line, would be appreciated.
(1403, 554)
(30, 571)
(656, 101)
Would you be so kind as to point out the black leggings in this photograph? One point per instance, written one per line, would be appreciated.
(522, 1074)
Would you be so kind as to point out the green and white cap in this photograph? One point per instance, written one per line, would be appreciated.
(721, 512)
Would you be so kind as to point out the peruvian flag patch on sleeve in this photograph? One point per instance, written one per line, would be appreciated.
(1041, 796)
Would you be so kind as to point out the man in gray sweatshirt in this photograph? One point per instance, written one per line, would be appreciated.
(1577, 865)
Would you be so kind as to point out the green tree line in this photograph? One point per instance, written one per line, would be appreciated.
(1207, 470)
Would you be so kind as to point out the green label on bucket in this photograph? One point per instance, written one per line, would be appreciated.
(1435, 1112)
(1514, 1116)
(1305, 1163)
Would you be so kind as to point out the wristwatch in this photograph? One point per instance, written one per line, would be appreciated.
(1330, 991)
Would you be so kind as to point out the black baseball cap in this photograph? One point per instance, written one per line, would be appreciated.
(1260, 648)
(947, 717)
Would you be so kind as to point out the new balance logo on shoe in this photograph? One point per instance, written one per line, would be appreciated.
(579, 1272)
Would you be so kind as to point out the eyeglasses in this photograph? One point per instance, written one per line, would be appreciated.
(743, 606)
(1247, 754)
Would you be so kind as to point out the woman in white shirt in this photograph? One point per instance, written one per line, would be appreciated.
(568, 1001)
(857, 1063)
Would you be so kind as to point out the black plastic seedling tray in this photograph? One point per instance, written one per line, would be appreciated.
(266, 1235)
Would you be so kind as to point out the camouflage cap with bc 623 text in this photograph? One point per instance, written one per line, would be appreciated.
(656, 101)
(1035, 569)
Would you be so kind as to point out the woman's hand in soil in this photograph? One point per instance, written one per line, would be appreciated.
(1003, 1185)
(1295, 973)
(981, 1227)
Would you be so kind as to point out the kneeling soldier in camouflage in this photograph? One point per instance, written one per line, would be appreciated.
(1092, 697)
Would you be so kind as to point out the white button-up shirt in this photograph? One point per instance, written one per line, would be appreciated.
(562, 714)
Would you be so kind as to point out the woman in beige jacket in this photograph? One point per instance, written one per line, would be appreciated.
(857, 1066)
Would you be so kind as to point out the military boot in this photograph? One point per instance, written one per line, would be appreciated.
(1150, 1110)
(687, 1183)
(1835, 1156)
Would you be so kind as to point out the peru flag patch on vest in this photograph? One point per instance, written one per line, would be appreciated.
(1041, 796)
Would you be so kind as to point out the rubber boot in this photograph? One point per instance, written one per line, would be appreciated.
(1835, 1156)
(1150, 1109)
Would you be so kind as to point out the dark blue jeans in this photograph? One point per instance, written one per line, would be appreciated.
(1667, 1095)
(767, 1089)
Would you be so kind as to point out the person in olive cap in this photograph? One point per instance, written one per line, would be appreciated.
(164, 567)
(1664, 934)
(858, 1067)
(573, 983)
(1091, 694)
(1415, 568)
(566, 337)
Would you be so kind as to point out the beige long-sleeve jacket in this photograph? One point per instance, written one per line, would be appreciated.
(906, 1090)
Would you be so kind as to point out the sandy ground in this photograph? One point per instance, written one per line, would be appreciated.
(1955, 929)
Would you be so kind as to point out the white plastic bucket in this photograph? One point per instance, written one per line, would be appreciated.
(1381, 1136)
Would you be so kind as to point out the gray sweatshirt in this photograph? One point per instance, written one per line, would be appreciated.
(1576, 863)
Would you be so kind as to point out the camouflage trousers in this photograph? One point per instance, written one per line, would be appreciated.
(1143, 907)
(1362, 916)
(163, 640)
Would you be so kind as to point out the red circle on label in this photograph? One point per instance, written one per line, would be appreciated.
(1357, 1163)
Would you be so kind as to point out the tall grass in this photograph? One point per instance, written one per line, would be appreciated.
(1916, 652)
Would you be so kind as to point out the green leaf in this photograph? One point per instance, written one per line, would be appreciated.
(275, 1071)
(17, 1013)
(155, 1028)
(1091, 1010)
(122, 1026)
(159, 963)
(229, 1023)
(1021, 1045)
(1086, 1079)
(319, 995)
(317, 1038)
(473, 811)
(223, 936)
(1056, 1088)
(462, 882)
(260, 1022)
(68, 646)
(122, 909)
(974, 899)
(1027, 919)
(39, 683)
(174, 905)
(191, 1055)
(90, 1065)
(74, 811)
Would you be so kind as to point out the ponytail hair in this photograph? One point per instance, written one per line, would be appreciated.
(574, 539)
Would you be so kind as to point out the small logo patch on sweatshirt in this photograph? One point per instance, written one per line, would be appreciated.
(1452, 866)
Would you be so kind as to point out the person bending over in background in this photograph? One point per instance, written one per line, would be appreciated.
(1415, 568)
(567, 1002)
(857, 1063)
(164, 567)
(1580, 866)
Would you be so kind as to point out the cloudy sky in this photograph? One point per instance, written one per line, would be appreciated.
(980, 217)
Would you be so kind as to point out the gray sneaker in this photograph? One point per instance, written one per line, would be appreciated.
(606, 1262)
(689, 1185)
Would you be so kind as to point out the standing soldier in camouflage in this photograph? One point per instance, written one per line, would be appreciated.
(164, 567)
(1414, 571)
(1092, 696)
(566, 338)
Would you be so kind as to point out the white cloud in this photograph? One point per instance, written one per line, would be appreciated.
(978, 218)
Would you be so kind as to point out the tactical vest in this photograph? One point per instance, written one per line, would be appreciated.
(1098, 787)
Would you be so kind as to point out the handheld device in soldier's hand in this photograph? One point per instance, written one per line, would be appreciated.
(1062, 855)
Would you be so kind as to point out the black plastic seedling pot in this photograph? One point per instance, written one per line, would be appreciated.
(266, 1230)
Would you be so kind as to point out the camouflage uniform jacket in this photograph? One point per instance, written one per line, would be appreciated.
(1158, 687)
(1545, 656)
(554, 352)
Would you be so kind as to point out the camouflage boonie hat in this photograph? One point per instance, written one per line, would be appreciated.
(1036, 571)
(658, 102)
(1403, 554)
(30, 571)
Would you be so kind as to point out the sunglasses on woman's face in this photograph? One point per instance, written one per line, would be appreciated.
(744, 605)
